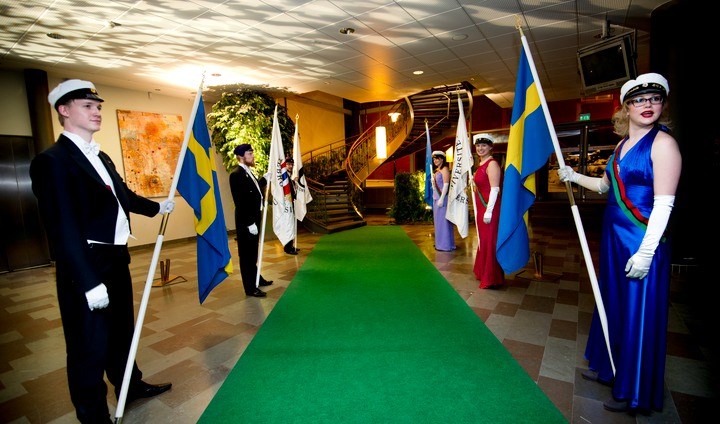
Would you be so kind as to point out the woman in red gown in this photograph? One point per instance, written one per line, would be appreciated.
(488, 179)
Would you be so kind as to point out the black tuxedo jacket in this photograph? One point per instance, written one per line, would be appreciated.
(76, 206)
(248, 200)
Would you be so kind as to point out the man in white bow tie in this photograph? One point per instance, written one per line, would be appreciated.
(85, 207)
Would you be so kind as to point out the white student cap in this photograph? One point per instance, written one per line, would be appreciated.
(438, 153)
(73, 89)
(483, 138)
(645, 83)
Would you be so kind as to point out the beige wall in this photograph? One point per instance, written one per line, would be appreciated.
(14, 113)
(321, 119)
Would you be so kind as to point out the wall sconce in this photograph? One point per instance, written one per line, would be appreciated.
(380, 142)
(449, 154)
(394, 116)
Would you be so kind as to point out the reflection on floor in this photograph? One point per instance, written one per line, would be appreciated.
(543, 322)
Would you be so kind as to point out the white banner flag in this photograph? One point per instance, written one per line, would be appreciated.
(457, 208)
(302, 192)
(283, 212)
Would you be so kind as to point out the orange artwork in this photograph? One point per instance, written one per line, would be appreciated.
(150, 145)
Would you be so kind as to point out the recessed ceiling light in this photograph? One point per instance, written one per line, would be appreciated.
(347, 30)
(55, 35)
(418, 72)
(459, 37)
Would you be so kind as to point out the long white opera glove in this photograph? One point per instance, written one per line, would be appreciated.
(487, 216)
(591, 183)
(97, 297)
(253, 229)
(166, 206)
(445, 189)
(639, 264)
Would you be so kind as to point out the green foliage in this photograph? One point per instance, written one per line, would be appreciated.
(246, 116)
(409, 205)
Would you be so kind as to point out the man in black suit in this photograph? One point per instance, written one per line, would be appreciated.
(247, 193)
(85, 207)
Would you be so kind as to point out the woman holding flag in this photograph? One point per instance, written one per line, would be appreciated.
(444, 232)
(487, 178)
(641, 177)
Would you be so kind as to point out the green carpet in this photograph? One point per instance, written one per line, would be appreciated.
(370, 332)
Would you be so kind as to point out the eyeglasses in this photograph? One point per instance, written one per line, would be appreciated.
(640, 101)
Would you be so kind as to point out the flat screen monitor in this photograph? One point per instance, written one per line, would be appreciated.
(606, 65)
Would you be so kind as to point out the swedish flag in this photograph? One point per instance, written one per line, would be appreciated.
(198, 185)
(529, 146)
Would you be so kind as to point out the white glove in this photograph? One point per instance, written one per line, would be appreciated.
(591, 183)
(97, 297)
(445, 189)
(166, 206)
(487, 216)
(253, 229)
(639, 264)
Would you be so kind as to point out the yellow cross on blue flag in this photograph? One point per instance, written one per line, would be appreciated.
(529, 146)
(198, 185)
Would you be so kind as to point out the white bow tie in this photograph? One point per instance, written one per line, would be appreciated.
(91, 148)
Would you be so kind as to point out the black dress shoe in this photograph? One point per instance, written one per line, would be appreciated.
(257, 293)
(264, 283)
(615, 405)
(292, 252)
(593, 376)
(142, 389)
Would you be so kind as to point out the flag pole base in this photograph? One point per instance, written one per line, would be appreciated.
(165, 278)
(538, 274)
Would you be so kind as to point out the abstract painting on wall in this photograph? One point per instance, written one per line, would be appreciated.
(150, 145)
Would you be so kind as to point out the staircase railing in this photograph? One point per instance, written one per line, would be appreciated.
(362, 158)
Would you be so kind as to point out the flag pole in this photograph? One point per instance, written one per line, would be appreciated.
(153, 266)
(262, 236)
(471, 184)
(573, 206)
(293, 181)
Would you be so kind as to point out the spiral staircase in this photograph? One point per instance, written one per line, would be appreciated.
(337, 173)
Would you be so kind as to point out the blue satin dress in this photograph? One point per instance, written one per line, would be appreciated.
(637, 309)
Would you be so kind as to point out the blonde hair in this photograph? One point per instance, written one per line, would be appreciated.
(621, 119)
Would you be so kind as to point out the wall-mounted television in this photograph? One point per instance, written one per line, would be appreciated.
(607, 65)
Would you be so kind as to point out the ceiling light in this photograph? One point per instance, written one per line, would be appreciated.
(459, 37)
(55, 35)
(418, 72)
(347, 30)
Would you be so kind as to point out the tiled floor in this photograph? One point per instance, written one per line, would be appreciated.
(543, 322)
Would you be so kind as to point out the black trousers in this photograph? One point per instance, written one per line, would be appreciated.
(248, 253)
(97, 342)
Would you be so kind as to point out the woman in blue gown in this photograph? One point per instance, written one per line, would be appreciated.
(444, 231)
(634, 280)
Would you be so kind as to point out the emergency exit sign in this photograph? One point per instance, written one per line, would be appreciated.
(584, 117)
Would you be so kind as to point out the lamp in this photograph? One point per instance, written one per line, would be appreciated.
(394, 116)
(380, 142)
(449, 154)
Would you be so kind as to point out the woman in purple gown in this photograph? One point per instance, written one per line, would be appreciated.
(634, 280)
(444, 231)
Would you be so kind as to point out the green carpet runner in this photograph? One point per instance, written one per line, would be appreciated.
(370, 332)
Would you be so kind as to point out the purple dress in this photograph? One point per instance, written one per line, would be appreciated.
(636, 309)
(444, 231)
